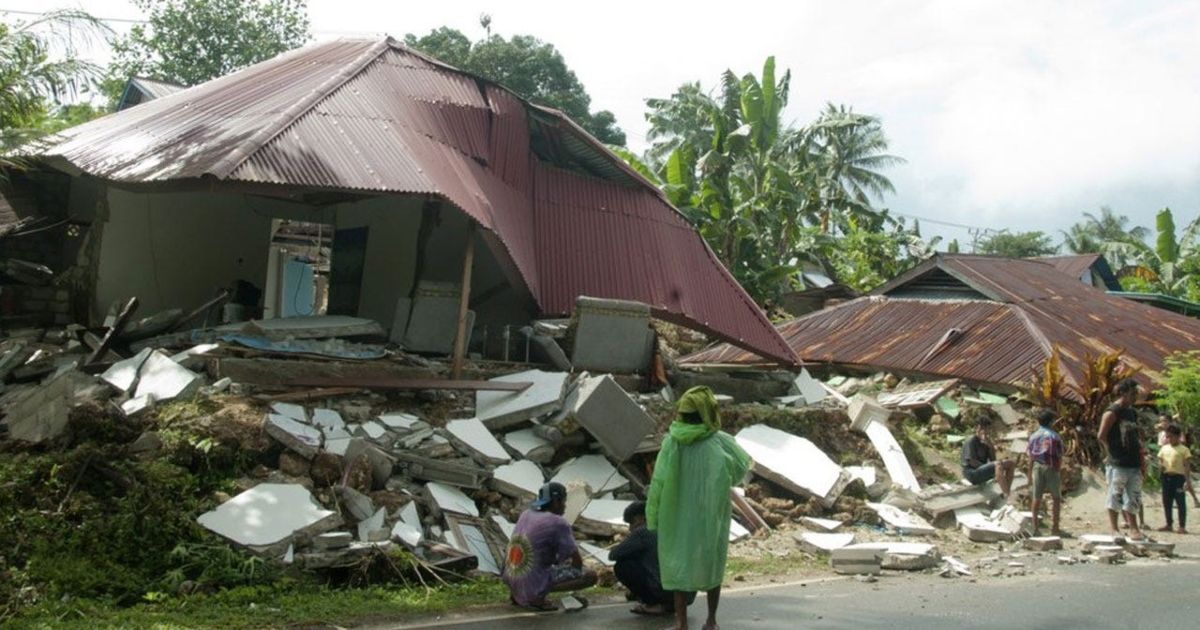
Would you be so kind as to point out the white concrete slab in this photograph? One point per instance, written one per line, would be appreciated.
(399, 420)
(137, 404)
(577, 499)
(867, 474)
(906, 556)
(893, 457)
(338, 445)
(451, 499)
(793, 462)
(299, 437)
(607, 511)
(372, 430)
(529, 445)
(328, 419)
(123, 374)
(904, 521)
(267, 514)
(409, 535)
(505, 526)
(603, 408)
(369, 525)
(598, 554)
(503, 409)
(521, 479)
(165, 379)
(737, 532)
(808, 387)
(476, 544)
(194, 356)
(593, 470)
(979, 527)
(291, 410)
(823, 524)
(476, 437)
(814, 542)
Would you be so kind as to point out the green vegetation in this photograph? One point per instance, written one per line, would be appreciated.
(191, 41)
(1017, 244)
(1181, 387)
(525, 64)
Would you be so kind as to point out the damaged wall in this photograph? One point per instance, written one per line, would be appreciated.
(178, 249)
(392, 226)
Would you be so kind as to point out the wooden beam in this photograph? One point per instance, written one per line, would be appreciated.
(115, 331)
(464, 302)
(203, 309)
(413, 383)
(327, 392)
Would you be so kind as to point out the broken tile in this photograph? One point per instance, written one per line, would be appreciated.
(499, 410)
(123, 374)
(301, 438)
(867, 474)
(794, 463)
(823, 524)
(372, 430)
(603, 408)
(818, 543)
(521, 479)
(593, 470)
(905, 522)
(268, 515)
(476, 438)
(809, 388)
(450, 499)
(194, 357)
(368, 526)
(291, 410)
(165, 379)
(530, 446)
(327, 419)
(137, 404)
(400, 421)
(408, 534)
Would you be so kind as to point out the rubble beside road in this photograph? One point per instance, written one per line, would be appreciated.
(206, 460)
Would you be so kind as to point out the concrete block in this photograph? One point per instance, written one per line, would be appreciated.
(477, 441)
(902, 521)
(44, 413)
(381, 463)
(359, 506)
(612, 336)
(266, 517)
(819, 543)
(137, 405)
(808, 388)
(450, 499)
(794, 463)
(530, 446)
(618, 423)
(1089, 542)
(368, 527)
(165, 379)
(293, 411)
(1145, 547)
(980, 528)
(302, 438)
(433, 320)
(315, 327)
(370, 430)
(1042, 543)
(852, 561)
(903, 556)
(521, 479)
(869, 417)
(499, 410)
(123, 374)
(603, 517)
(332, 540)
(593, 470)
(821, 524)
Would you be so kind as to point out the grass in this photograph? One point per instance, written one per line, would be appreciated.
(268, 607)
(771, 564)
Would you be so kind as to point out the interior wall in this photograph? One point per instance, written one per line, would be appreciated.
(390, 265)
(176, 250)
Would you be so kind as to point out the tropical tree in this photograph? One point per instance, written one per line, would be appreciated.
(191, 41)
(1167, 267)
(1016, 244)
(848, 150)
(530, 67)
(40, 72)
(1096, 234)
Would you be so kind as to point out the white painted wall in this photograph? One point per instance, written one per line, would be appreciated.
(393, 224)
(175, 250)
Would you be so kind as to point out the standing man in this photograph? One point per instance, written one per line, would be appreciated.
(688, 502)
(1123, 468)
(542, 557)
(978, 459)
(1045, 453)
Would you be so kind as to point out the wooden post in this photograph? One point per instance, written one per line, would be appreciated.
(460, 338)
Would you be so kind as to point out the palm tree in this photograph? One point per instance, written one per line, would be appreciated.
(39, 69)
(1081, 239)
(1096, 234)
(849, 150)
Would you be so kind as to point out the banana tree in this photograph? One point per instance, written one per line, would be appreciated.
(1167, 267)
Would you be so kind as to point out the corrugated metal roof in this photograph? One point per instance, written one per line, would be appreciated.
(1029, 307)
(1076, 265)
(377, 117)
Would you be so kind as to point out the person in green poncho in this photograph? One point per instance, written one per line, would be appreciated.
(688, 502)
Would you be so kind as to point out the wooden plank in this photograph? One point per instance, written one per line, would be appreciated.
(118, 326)
(413, 383)
(203, 309)
(310, 394)
(464, 301)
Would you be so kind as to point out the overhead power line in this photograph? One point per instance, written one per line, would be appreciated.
(143, 21)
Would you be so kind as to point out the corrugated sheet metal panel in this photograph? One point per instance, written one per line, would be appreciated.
(1073, 266)
(373, 116)
(604, 240)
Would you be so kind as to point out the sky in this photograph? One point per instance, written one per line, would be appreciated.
(1014, 114)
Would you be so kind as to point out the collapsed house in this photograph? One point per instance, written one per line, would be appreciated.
(985, 320)
(403, 165)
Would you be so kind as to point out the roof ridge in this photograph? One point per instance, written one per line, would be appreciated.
(239, 154)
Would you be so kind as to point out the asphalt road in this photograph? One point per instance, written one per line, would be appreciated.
(1141, 594)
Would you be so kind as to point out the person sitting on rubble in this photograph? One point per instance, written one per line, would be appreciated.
(636, 565)
(1045, 451)
(542, 557)
(979, 463)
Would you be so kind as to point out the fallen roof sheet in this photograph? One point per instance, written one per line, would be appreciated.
(377, 117)
(1006, 316)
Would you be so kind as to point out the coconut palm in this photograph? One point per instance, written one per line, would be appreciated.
(849, 150)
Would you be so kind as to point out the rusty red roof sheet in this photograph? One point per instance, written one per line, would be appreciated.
(374, 116)
(1023, 308)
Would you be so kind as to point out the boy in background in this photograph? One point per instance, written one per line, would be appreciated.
(1045, 453)
(1174, 458)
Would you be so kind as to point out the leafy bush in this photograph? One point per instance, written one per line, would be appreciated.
(1181, 387)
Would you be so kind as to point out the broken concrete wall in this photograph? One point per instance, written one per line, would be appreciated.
(178, 249)
(390, 262)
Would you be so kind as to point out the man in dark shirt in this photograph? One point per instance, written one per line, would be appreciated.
(636, 566)
(979, 463)
(1122, 439)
